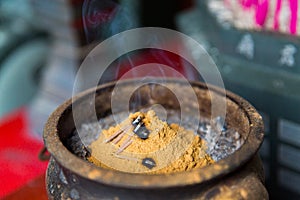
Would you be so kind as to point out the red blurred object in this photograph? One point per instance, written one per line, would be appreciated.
(167, 58)
(33, 190)
(19, 150)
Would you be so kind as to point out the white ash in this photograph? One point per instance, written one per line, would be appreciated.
(221, 141)
(89, 132)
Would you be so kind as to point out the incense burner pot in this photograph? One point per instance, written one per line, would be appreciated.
(237, 176)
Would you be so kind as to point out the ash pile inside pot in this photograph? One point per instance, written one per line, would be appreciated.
(221, 140)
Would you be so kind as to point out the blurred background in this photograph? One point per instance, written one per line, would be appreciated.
(255, 45)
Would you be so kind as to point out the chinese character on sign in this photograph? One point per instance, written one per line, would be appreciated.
(287, 55)
(246, 46)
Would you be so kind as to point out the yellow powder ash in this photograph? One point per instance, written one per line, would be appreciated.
(167, 148)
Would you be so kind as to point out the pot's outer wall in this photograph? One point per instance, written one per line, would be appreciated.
(238, 176)
(245, 183)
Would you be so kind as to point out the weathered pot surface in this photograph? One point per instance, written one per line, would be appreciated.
(238, 176)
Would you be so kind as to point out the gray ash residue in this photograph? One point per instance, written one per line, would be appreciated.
(77, 147)
(221, 140)
(79, 142)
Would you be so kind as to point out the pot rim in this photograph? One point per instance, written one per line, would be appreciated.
(131, 180)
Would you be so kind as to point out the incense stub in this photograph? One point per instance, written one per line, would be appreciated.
(142, 143)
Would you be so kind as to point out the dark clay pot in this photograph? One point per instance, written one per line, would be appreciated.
(238, 176)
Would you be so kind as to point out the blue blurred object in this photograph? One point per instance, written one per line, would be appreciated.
(18, 74)
(23, 51)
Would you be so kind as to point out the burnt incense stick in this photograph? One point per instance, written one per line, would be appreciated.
(125, 145)
(116, 134)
